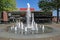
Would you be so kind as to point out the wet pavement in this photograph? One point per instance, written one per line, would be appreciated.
(36, 37)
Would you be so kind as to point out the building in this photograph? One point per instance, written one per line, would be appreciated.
(39, 16)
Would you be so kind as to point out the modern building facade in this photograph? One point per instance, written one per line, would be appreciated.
(39, 16)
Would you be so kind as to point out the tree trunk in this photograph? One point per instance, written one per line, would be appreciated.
(57, 15)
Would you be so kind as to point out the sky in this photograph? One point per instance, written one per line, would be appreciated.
(33, 4)
(23, 4)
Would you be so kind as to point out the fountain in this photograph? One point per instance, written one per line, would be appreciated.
(29, 30)
(30, 27)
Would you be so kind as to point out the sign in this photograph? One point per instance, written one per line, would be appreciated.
(24, 9)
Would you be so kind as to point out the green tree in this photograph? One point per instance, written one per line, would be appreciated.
(7, 5)
(48, 5)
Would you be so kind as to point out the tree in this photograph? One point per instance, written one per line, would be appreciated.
(7, 5)
(48, 5)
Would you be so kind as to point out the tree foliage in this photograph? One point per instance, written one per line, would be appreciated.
(7, 5)
(48, 5)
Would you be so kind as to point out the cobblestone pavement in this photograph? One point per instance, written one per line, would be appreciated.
(48, 38)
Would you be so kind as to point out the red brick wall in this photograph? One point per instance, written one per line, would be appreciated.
(54, 19)
(5, 16)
